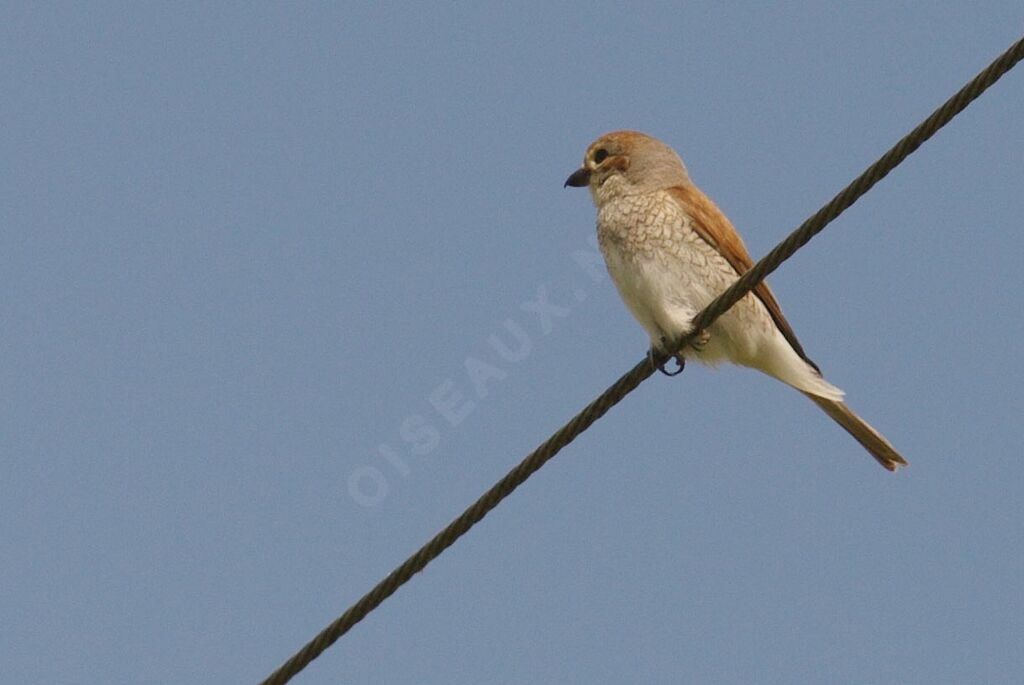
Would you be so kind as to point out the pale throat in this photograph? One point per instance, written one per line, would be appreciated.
(613, 187)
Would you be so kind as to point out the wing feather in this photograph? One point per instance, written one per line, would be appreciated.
(712, 225)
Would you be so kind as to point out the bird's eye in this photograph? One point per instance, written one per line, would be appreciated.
(600, 155)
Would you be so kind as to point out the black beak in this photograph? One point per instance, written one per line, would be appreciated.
(579, 178)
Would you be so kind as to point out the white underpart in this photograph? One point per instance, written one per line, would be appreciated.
(666, 273)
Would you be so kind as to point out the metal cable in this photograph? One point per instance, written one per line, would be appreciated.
(629, 381)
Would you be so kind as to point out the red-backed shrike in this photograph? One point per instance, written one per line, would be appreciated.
(671, 251)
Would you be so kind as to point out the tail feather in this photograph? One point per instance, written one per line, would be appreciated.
(873, 441)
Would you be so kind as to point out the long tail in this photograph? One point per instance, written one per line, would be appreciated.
(872, 440)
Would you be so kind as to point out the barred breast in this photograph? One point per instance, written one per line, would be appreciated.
(666, 273)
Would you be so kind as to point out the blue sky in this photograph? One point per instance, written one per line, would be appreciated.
(270, 279)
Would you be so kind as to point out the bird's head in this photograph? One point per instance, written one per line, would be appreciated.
(626, 163)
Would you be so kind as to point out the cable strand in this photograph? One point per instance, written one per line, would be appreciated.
(643, 370)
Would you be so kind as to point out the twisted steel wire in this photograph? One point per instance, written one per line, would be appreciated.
(632, 378)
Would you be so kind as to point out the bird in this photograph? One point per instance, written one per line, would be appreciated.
(670, 251)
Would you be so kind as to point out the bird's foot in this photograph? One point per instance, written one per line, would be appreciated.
(653, 355)
(701, 341)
